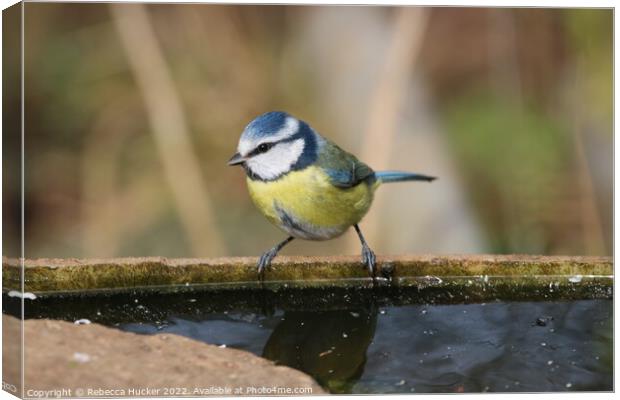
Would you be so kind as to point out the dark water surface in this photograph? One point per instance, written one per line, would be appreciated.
(453, 338)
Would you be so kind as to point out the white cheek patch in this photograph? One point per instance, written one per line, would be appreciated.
(291, 126)
(277, 161)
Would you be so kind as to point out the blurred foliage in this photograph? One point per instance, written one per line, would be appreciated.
(516, 144)
(516, 93)
(513, 158)
(592, 44)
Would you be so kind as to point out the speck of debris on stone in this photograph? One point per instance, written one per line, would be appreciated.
(25, 295)
(326, 352)
(82, 321)
(575, 279)
(81, 357)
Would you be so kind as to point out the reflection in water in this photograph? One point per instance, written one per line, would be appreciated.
(329, 345)
(423, 340)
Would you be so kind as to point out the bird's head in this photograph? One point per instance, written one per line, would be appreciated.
(274, 144)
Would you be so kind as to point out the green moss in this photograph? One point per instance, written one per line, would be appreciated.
(80, 275)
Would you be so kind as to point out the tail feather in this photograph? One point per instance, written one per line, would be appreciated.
(398, 176)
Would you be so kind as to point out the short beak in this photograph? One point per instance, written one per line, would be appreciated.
(236, 159)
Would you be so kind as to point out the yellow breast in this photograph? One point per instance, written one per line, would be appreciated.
(305, 204)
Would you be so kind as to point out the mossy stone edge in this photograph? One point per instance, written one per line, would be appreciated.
(49, 275)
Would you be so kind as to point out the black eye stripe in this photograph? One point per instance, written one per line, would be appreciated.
(261, 148)
(266, 146)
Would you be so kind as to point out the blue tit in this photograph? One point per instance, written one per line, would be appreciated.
(305, 184)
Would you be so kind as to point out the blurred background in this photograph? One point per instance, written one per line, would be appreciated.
(132, 112)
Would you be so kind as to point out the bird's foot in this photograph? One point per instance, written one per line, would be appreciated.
(265, 262)
(369, 260)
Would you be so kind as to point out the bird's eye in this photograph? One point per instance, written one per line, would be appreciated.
(263, 147)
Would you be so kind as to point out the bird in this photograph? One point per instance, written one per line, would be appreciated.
(306, 185)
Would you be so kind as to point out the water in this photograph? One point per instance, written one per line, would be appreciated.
(457, 337)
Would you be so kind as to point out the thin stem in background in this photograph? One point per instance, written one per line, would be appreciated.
(593, 235)
(170, 131)
(387, 104)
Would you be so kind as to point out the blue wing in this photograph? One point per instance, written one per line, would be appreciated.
(343, 169)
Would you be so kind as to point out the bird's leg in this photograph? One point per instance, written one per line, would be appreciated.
(265, 259)
(368, 256)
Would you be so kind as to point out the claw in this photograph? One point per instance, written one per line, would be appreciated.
(265, 262)
(368, 256)
(261, 268)
(369, 260)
